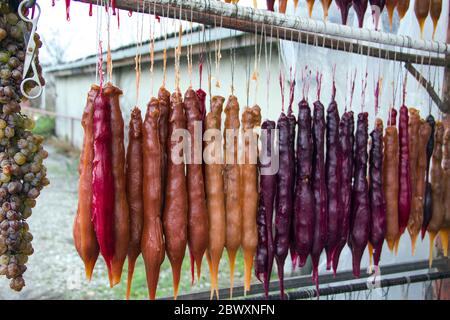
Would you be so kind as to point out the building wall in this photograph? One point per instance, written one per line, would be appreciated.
(71, 91)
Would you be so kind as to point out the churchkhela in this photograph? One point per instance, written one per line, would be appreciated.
(421, 9)
(134, 189)
(344, 6)
(304, 218)
(390, 6)
(333, 178)
(175, 219)
(83, 230)
(360, 213)
(266, 203)
(377, 7)
(428, 205)
(332, 186)
(346, 142)
(319, 187)
(391, 180)
(251, 118)
(404, 182)
(376, 194)
(215, 197)
(402, 8)
(121, 213)
(437, 188)
(231, 178)
(360, 7)
(446, 176)
(152, 240)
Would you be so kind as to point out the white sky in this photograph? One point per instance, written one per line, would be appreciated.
(78, 36)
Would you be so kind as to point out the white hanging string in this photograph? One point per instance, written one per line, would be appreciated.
(152, 21)
(137, 58)
(98, 37)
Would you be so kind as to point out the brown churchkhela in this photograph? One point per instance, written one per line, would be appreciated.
(437, 188)
(215, 198)
(413, 134)
(83, 229)
(446, 176)
(390, 6)
(152, 242)
(121, 215)
(176, 205)
(390, 184)
(402, 8)
(421, 9)
(251, 118)
(232, 183)
(325, 6)
(197, 212)
(134, 191)
(416, 216)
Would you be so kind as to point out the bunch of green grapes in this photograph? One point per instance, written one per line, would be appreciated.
(22, 173)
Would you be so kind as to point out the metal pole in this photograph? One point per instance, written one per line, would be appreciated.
(354, 287)
(305, 281)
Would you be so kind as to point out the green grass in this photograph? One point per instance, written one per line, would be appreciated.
(44, 126)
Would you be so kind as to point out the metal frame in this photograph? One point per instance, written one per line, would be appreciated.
(356, 287)
(284, 26)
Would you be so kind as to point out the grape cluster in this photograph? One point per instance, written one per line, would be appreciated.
(22, 173)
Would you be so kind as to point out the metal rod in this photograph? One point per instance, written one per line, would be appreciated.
(354, 287)
(305, 281)
(296, 28)
(425, 83)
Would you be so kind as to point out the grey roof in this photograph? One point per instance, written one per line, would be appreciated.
(129, 51)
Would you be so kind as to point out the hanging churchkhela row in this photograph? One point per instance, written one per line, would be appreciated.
(376, 196)
(215, 197)
(197, 211)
